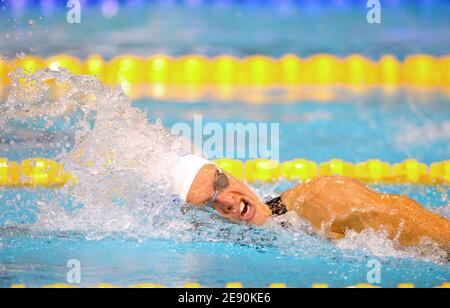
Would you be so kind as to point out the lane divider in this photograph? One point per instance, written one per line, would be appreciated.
(373, 171)
(36, 172)
(41, 172)
(232, 285)
(258, 70)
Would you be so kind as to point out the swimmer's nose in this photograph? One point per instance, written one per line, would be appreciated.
(225, 203)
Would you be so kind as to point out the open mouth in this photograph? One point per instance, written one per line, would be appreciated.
(246, 210)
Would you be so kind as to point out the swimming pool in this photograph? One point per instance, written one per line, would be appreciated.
(214, 254)
(43, 229)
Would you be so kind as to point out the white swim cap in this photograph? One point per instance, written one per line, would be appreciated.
(184, 172)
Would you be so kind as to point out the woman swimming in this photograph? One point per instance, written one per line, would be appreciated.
(332, 205)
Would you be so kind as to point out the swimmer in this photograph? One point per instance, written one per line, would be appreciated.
(332, 205)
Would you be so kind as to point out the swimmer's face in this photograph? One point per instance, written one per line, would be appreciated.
(237, 202)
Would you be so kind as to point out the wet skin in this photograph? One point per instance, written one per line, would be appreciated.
(238, 202)
(332, 205)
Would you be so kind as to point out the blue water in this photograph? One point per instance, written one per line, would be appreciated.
(39, 261)
(229, 253)
(355, 128)
(220, 252)
(407, 27)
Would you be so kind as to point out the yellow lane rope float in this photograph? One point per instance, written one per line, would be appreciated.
(256, 70)
(232, 285)
(36, 172)
(40, 172)
(372, 171)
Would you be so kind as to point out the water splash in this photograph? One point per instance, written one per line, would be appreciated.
(121, 161)
(378, 244)
(443, 211)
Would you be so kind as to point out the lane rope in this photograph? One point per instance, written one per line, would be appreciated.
(232, 285)
(41, 172)
(258, 70)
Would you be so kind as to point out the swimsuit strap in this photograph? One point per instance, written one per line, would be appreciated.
(277, 207)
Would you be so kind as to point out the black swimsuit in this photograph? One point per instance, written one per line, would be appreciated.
(277, 207)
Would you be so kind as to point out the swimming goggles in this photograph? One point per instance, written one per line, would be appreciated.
(221, 182)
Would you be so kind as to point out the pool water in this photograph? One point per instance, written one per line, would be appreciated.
(41, 230)
(212, 253)
(355, 128)
(408, 27)
(216, 252)
(38, 261)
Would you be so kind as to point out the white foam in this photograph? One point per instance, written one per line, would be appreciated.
(378, 244)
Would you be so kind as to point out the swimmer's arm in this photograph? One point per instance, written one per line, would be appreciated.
(335, 205)
(410, 227)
